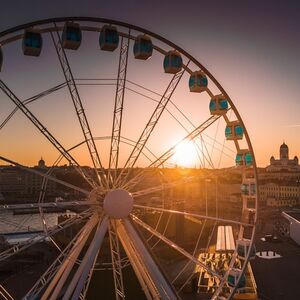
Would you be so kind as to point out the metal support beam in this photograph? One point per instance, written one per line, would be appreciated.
(32, 99)
(188, 214)
(118, 110)
(59, 268)
(171, 151)
(50, 137)
(139, 146)
(79, 108)
(175, 246)
(149, 274)
(116, 261)
(67, 223)
(77, 283)
(5, 294)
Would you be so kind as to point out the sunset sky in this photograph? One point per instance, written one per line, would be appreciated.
(251, 47)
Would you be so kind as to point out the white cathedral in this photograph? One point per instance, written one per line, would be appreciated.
(283, 163)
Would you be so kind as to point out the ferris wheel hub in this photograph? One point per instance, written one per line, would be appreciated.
(118, 203)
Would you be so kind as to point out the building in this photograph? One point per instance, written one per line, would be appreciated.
(283, 164)
(280, 193)
(17, 184)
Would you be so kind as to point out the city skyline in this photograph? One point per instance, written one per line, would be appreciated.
(257, 41)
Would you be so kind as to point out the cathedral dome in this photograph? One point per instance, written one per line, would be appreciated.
(284, 146)
(41, 163)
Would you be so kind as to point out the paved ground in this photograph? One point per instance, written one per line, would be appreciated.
(278, 279)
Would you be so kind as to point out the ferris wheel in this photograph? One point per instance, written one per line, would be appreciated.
(171, 194)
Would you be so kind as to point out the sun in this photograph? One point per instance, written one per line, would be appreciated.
(186, 155)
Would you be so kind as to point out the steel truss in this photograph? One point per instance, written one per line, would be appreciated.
(34, 240)
(118, 110)
(43, 130)
(139, 146)
(116, 261)
(85, 127)
(170, 152)
(59, 270)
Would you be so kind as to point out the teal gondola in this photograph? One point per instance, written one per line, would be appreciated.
(218, 105)
(143, 47)
(244, 158)
(243, 247)
(233, 276)
(71, 36)
(109, 38)
(198, 82)
(234, 131)
(32, 42)
(172, 62)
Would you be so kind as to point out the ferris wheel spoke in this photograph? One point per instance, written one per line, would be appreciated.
(54, 277)
(194, 253)
(118, 110)
(77, 283)
(165, 186)
(45, 205)
(132, 143)
(151, 124)
(171, 151)
(189, 214)
(44, 236)
(85, 127)
(175, 246)
(116, 260)
(152, 280)
(88, 281)
(45, 175)
(185, 117)
(43, 130)
(190, 137)
(206, 155)
(5, 294)
(32, 99)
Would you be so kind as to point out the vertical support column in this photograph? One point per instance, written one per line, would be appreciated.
(116, 261)
(79, 108)
(118, 110)
(139, 146)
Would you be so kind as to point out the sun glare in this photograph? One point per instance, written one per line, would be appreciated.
(186, 155)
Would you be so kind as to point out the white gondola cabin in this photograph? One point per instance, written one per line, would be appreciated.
(198, 82)
(218, 105)
(143, 47)
(172, 62)
(233, 276)
(109, 38)
(243, 247)
(234, 131)
(32, 42)
(71, 36)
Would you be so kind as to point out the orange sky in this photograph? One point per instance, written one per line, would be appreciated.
(256, 64)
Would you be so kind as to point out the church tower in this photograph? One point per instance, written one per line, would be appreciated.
(41, 164)
(284, 151)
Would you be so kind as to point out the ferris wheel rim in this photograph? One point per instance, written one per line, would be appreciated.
(162, 39)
